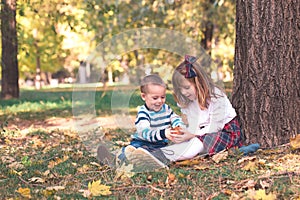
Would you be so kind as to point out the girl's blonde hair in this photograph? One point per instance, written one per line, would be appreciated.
(204, 85)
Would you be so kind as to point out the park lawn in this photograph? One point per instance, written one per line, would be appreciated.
(56, 164)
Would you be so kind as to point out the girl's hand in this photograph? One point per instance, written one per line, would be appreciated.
(185, 136)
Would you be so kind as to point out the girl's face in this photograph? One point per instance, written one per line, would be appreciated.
(155, 97)
(188, 90)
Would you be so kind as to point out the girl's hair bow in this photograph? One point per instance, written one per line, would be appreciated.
(189, 61)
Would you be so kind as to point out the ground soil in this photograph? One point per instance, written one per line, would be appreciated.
(72, 123)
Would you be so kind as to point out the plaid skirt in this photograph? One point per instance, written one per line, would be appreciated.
(230, 136)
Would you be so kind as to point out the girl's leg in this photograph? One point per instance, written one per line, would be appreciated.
(230, 136)
(183, 151)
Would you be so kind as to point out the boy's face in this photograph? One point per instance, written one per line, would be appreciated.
(155, 97)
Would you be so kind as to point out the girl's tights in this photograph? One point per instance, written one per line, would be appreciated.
(183, 151)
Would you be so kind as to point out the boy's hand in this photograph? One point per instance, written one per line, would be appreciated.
(176, 130)
(169, 134)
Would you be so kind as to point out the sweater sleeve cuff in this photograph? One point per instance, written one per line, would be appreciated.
(163, 134)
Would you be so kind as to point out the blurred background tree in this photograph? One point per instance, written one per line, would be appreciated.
(57, 38)
(57, 35)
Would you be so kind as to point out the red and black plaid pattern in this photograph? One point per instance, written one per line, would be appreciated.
(230, 136)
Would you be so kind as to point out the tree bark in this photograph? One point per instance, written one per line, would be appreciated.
(266, 91)
(10, 72)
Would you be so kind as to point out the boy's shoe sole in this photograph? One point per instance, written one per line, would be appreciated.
(143, 160)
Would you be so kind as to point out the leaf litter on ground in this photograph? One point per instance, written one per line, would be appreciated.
(48, 163)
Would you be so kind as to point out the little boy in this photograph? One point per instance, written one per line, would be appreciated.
(153, 122)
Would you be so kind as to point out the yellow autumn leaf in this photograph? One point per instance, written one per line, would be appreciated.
(83, 169)
(36, 143)
(260, 195)
(97, 189)
(124, 172)
(251, 166)
(55, 188)
(12, 171)
(295, 142)
(201, 167)
(220, 156)
(188, 162)
(25, 192)
(7, 141)
(171, 179)
(57, 161)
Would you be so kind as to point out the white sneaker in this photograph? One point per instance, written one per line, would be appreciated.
(143, 160)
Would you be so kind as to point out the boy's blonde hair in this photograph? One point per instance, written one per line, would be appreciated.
(203, 83)
(151, 79)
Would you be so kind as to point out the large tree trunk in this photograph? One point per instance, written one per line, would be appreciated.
(266, 74)
(10, 72)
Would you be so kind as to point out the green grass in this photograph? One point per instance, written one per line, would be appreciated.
(59, 158)
(47, 103)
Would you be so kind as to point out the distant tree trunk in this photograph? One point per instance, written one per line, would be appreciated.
(208, 26)
(266, 91)
(140, 66)
(10, 72)
(38, 84)
(206, 42)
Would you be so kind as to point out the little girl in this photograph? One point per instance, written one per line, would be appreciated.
(210, 116)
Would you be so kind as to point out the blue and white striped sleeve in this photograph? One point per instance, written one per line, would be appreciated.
(144, 130)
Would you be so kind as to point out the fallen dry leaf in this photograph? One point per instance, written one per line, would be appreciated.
(264, 184)
(57, 161)
(7, 159)
(249, 185)
(250, 166)
(25, 192)
(16, 165)
(295, 142)
(36, 180)
(36, 142)
(246, 159)
(260, 195)
(124, 172)
(171, 179)
(86, 193)
(201, 167)
(222, 155)
(83, 169)
(12, 171)
(98, 189)
(56, 188)
(187, 162)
